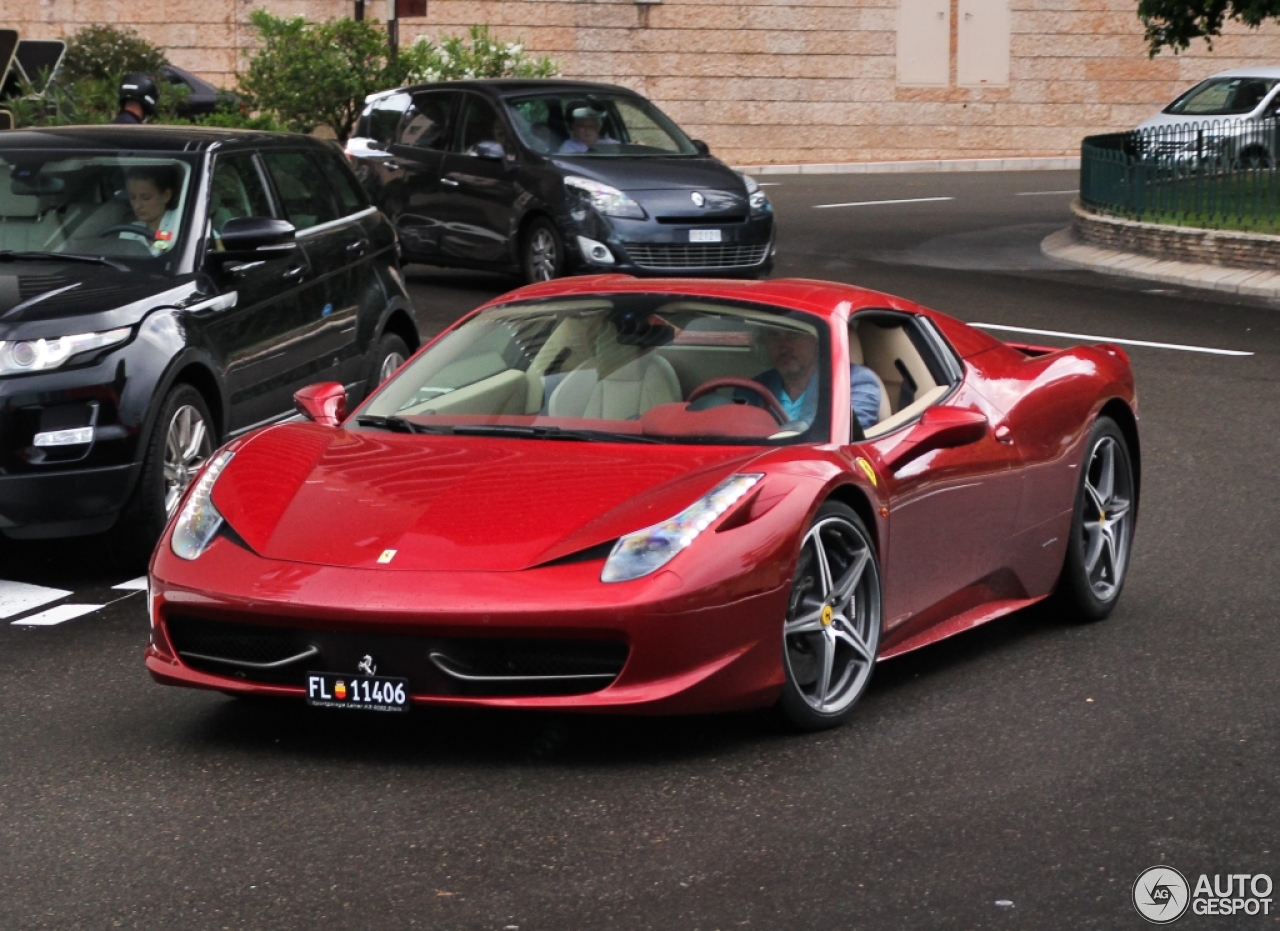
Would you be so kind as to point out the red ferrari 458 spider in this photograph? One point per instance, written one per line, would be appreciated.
(653, 496)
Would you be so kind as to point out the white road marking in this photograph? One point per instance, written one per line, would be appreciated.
(19, 597)
(55, 615)
(769, 183)
(1042, 193)
(133, 585)
(877, 203)
(1112, 339)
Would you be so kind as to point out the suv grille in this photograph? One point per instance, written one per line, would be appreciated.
(696, 255)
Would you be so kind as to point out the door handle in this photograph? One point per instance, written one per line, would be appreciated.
(449, 181)
(294, 273)
(357, 247)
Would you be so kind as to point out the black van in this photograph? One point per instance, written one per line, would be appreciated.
(163, 289)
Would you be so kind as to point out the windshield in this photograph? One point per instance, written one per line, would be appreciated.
(624, 367)
(1223, 97)
(130, 209)
(596, 125)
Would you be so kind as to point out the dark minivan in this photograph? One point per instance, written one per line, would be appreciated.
(546, 177)
(163, 289)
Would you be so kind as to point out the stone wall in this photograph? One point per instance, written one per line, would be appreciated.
(766, 81)
(1226, 248)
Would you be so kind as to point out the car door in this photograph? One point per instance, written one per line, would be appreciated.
(478, 192)
(951, 510)
(262, 301)
(413, 201)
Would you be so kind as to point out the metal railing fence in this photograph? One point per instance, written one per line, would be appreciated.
(1216, 174)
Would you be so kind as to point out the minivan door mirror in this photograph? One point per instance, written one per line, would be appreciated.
(489, 151)
(702, 147)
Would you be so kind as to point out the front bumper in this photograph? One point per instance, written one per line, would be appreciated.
(648, 248)
(63, 503)
(685, 651)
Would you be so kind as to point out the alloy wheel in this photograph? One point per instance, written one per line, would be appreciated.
(1107, 523)
(832, 631)
(543, 257)
(187, 447)
(392, 362)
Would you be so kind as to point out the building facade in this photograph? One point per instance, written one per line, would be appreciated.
(781, 81)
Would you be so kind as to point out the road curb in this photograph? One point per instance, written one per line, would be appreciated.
(1066, 247)
(1059, 163)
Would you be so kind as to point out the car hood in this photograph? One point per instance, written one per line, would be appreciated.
(312, 494)
(656, 174)
(50, 299)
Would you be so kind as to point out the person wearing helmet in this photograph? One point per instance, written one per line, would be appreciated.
(138, 97)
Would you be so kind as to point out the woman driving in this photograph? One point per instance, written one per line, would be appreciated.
(151, 195)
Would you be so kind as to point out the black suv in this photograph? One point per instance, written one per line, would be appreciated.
(163, 289)
(547, 177)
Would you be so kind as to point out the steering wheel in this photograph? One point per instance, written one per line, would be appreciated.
(771, 404)
(135, 228)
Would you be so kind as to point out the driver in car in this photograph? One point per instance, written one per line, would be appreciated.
(151, 194)
(585, 132)
(793, 380)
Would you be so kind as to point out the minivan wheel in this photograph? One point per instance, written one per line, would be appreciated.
(543, 257)
(388, 355)
(182, 441)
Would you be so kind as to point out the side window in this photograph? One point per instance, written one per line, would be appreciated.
(303, 195)
(913, 366)
(384, 116)
(346, 190)
(236, 192)
(425, 125)
(480, 123)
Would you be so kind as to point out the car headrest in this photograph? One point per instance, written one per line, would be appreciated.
(642, 329)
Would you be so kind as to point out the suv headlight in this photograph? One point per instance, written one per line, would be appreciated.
(199, 520)
(607, 200)
(40, 355)
(645, 551)
(755, 196)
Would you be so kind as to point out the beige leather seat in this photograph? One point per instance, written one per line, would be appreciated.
(624, 392)
(855, 357)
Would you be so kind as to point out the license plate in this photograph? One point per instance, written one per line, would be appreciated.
(360, 693)
(704, 235)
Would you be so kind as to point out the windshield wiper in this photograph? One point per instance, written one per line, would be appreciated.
(550, 433)
(9, 255)
(398, 425)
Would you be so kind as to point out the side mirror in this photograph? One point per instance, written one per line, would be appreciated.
(702, 147)
(939, 428)
(324, 403)
(249, 237)
(489, 151)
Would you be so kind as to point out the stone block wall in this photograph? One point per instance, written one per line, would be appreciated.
(1226, 248)
(766, 81)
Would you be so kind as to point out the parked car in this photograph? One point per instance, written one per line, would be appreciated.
(488, 174)
(130, 350)
(202, 97)
(1227, 121)
(586, 496)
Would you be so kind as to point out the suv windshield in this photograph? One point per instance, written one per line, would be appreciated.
(599, 125)
(1222, 97)
(130, 209)
(623, 367)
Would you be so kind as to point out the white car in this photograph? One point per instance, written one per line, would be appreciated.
(1228, 120)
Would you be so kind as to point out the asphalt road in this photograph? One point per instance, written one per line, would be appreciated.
(1019, 776)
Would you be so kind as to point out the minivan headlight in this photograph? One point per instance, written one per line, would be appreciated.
(755, 195)
(40, 355)
(606, 199)
(199, 520)
(638, 554)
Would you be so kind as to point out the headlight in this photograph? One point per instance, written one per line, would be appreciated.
(199, 519)
(645, 551)
(755, 196)
(607, 200)
(40, 355)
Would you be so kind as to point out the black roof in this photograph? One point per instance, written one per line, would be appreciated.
(150, 138)
(514, 87)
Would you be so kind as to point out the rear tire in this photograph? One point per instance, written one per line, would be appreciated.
(1102, 525)
(831, 633)
(542, 253)
(182, 440)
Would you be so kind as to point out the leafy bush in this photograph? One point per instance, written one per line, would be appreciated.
(479, 55)
(109, 53)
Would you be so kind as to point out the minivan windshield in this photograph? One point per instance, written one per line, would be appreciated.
(130, 209)
(1223, 97)
(596, 125)
(652, 368)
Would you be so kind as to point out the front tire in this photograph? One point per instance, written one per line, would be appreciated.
(542, 257)
(183, 439)
(1102, 525)
(390, 353)
(832, 630)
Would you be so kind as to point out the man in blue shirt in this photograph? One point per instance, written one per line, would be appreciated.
(794, 378)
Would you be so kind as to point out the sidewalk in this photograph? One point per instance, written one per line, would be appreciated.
(1065, 247)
